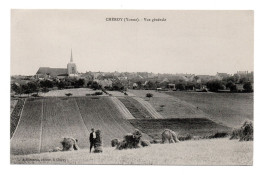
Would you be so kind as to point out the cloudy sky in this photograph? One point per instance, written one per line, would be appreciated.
(199, 42)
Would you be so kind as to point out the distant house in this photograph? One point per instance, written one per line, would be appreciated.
(172, 86)
(135, 85)
(240, 87)
(220, 76)
(105, 82)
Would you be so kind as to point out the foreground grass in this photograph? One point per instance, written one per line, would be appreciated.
(199, 152)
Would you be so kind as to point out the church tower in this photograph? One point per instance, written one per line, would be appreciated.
(72, 68)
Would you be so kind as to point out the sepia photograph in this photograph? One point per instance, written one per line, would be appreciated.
(132, 87)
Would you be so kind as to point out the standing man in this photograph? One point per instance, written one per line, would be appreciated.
(92, 139)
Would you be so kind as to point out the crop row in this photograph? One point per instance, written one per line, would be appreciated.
(15, 116)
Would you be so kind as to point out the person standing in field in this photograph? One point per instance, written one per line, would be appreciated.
(92, 139)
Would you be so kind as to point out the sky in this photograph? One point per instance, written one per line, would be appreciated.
(197, 42)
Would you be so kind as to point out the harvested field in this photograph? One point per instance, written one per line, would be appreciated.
(148, 108)
(121, 107)
(61, 118)
(45, 121)
(232, 109)
(200, 152)
(15, 115)
(135, 108)
(26, 138)
(195, 127)
(102, 114)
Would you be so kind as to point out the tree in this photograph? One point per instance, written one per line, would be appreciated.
(80, 82)
(95, 85)
(150, 85)
(180, 86)
(139, 84)
(16, 88)
(33, 87)
(149, 95)
(26, 89)
(46, 84)
(61, 85)
(248, 87)
(117, 86)
(215, 85)
(231, 86)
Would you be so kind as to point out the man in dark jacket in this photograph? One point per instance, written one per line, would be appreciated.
(92, 139)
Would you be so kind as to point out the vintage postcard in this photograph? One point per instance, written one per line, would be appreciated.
(132, 87)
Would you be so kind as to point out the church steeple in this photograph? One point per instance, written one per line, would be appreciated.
(71, 58)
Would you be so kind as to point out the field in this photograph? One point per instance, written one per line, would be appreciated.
(16, 109)
(45, 121)
(12, 105)
(76, 92)
(26, 138)
(169, 106)
(229, 108)
(200, 127)
(194, 152)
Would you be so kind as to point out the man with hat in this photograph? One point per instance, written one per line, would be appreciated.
(92, 139)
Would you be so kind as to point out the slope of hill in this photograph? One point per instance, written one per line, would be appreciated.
(121, 107)
(182, 126)
(45, 121)
(139, 108)
(169, 106)
(232, 109)
(26, 138)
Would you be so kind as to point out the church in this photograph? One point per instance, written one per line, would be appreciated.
(47, 72)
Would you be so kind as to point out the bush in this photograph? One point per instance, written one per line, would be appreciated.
(35, 95)
(45, 90)
(68, 94)
(248, 87)
(215, 85)
(218, 135)
(187, 137)
(149, 95)
(98, 93)
(244, 133)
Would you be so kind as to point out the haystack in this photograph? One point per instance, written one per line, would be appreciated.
(98, 142)
(131, 141)
(114, 142)
(244, 133)
(145, 143)
(69, 144)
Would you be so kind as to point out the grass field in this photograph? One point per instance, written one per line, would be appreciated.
(229, 108)
(194, 152)
(193, 126)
